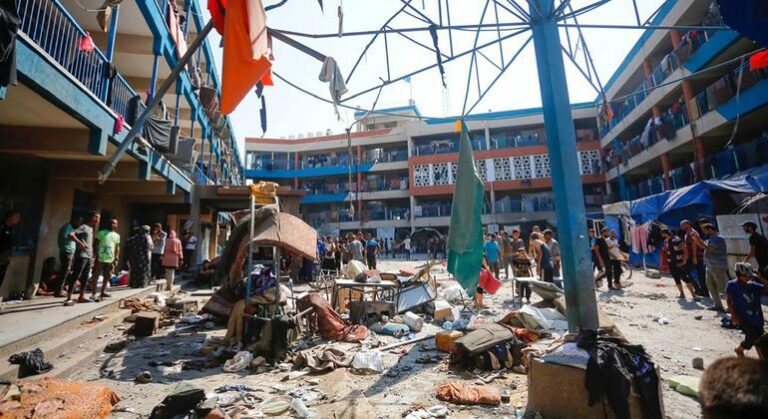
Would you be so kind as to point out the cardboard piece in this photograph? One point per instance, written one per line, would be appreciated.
(445, 311)
(147, 323)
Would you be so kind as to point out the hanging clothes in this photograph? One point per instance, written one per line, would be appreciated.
(9, 27)
(340, 14)
(433, 34)
(86, 43)
(331, 74)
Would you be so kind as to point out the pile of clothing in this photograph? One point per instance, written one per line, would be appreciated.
(614, 369)
(327, 321)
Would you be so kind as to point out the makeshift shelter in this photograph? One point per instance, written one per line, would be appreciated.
(690, 202)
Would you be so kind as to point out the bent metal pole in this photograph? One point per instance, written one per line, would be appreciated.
(109, 166)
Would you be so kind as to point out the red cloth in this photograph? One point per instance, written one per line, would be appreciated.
(488, 282)
(329, 324)
(217, 10)
(463, 394)
(86, 43)
(758, 60)
(245, 49)
(119, 122)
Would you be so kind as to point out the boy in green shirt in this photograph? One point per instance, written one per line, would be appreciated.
(107, 253)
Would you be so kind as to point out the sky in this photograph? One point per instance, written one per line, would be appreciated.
(291, 112)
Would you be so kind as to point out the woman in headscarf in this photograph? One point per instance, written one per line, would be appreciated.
(172, 258)
(139, 247)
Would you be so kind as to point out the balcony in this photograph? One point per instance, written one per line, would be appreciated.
(691, 42)
(736, 159)
(723, 90)
(446, 147)
(387, 214)
(377, 156)
(672, 119)
(323, 161)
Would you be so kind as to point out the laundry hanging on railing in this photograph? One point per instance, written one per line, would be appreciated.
(86, 43)
(433, 33)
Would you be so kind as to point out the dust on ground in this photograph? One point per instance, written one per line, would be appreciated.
(408, 383)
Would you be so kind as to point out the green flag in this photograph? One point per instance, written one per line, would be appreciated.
(465, 236)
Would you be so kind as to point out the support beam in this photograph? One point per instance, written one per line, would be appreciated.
(170, 187)
(97, 142)
(561, 144)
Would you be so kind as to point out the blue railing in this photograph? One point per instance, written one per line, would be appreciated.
(315, 162)
(446, 148)
(387, 157)
(388, 214)
(53, 29)
(724, 89)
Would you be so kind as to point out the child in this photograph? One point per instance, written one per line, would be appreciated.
(743, 298)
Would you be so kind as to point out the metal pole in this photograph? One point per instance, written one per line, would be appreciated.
(566, 181)
(248, 279)
(156, 98)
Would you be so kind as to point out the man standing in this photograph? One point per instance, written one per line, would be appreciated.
(758, 248)
(677, 258)
(81, 271)
(614, 263)
(407, 247)
(554, 248)
(371, 250)
(158, 250)
(67, 248)
(743, 297)
(716, 262)
(503, 241)
(10, 220)
(600, 251)
(329, 255)
(543, 258)
(355, 248)
(190, 242)
(107, 254)
(695, 257)
(492, 254)
(139, 247)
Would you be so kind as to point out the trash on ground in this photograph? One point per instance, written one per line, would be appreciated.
(466, 394)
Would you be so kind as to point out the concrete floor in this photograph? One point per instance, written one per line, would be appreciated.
(28, 318)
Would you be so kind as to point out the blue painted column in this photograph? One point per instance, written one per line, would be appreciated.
(566, 181)
(623, 192)
(112, 37)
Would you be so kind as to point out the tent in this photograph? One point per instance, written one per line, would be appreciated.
(690, 202)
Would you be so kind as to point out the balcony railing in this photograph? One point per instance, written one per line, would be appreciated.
(388, 214)
(446, 148)
(315, 162)
(386, 157)
(52, 28)
(725, 89)
(674, 118)
(385, 185)
(691, 42)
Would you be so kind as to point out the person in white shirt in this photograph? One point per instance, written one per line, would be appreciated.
(407, 247)
(190, 242)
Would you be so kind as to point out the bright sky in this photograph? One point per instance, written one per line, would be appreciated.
(291, 112)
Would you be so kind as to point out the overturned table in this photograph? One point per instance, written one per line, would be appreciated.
(384, 290)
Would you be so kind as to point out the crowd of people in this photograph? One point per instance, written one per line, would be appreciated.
(89, 255)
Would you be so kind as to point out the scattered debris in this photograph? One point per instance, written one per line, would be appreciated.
(368, 363)
(143, 377)
(470, 395)
(697, 363)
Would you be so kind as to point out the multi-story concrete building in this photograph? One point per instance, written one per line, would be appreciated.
(686, 107)
(678, 98)
(59, 125)
(397, 172)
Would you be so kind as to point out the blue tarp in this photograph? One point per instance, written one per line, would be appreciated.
(690, 202)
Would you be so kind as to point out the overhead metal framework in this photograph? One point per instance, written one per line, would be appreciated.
(518, 22)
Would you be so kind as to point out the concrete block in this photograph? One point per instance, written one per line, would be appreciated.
(147, 323)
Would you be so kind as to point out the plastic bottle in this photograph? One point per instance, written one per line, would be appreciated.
(301, 409)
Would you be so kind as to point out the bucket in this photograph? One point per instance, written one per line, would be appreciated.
(413, 321)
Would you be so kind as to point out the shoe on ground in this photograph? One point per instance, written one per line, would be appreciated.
(106, 295)
(84, 300)
(69, 303)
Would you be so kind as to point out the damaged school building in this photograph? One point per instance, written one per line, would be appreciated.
(83, 78)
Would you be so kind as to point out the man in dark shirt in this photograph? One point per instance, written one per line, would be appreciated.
(677, 258)
(10, 220)
(758, 248)
(600, 251)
